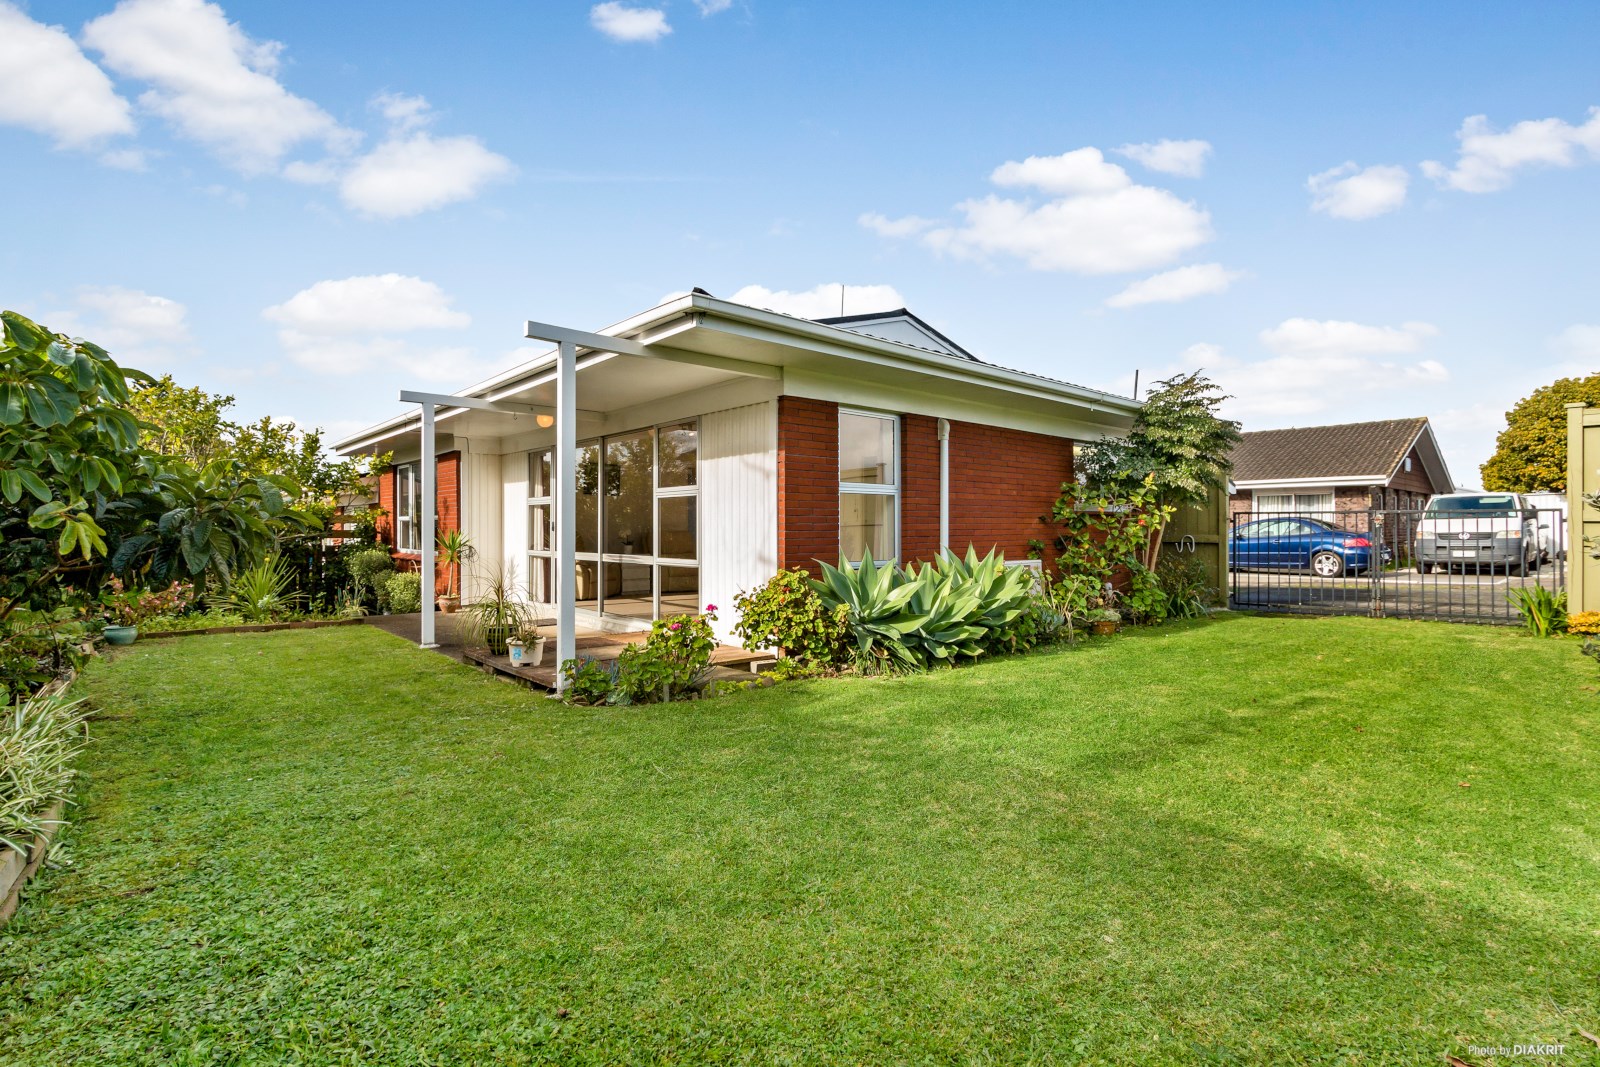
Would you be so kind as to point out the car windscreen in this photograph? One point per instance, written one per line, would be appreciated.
(1496, 506)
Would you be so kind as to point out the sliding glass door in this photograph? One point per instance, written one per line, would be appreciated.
(637, 523)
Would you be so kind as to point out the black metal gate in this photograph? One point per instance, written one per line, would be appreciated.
(1394, 563)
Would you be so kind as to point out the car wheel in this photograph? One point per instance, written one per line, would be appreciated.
(1521, 569)
(1424, 568)
(1327, 565)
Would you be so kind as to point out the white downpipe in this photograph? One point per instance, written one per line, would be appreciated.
(566, 464)
(944, 484)
(429, 478)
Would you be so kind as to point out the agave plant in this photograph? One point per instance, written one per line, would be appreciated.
(263, 592)
(1002, 593)
(944, 607)
(875, 600)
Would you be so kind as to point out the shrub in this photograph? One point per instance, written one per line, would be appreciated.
(261, 593)
(405, 592)
(1544, 613)
(590, 682)
(369, 570)
(38, 647)
(39, 740)
(1585, 622)
(194, 620)
(787, 614)
(1186, 585)
(131, 607)
(672, 662)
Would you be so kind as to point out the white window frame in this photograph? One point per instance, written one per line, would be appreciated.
(548, 501)
(891, 489)
(1295, 506)
(655, 561)
(407, 508)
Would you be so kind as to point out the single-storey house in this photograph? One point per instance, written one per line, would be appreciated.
(712, 444)
(1322, 471)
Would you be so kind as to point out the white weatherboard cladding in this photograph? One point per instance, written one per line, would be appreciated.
(480, 515)
(513, 491)
(738, 506)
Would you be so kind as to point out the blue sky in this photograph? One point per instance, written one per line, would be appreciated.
(312, 211)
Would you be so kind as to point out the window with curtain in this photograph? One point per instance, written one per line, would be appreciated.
(869, 485)
(1316, 505)
(408, 508)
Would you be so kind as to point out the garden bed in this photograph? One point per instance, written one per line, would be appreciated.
(250, 628)
(16, 869)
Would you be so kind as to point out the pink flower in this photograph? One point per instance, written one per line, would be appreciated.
(711, 607)
(675, 626)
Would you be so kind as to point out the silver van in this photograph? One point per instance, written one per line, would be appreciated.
(1498, 529)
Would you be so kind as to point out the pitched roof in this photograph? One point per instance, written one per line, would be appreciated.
(1361, 451)
(900, 325)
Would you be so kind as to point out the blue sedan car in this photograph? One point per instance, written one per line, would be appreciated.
(1297, 543)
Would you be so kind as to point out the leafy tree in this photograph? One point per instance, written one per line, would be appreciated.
(1530, 454)
(80, 498)
(1176, 453)
(188, 423)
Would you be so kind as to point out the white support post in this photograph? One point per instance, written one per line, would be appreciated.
(566, 502)
(429, 478)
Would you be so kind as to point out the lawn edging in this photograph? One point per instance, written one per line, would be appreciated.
(250, 628)
(16, 869)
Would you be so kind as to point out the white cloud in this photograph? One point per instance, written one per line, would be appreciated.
(411, 170)
(1187, 159)
(407, 175)
(366, 323)
(139, 329)
(125, 159)
(1488, 159)
(712, 7)
(1094, 220)
(370, 303)
(1350, 192)
(621, 22)
(1081, 171)
(215, 84)
(823, 301)
(906, 226)
(1313, 337)
(1318, 379)
(49, 86)
(1579, 344)
(1170, 287)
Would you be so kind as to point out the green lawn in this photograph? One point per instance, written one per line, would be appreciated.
(1253, 840)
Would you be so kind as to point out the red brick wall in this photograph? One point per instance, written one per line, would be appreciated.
(447, 515)
(808, 482)
(1003, 486)
(919, 487)
(386, 502)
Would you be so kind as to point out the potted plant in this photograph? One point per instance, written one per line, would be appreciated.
(499, 613)
(533, 641)
(126, 608)
(1105, 620)
(454, 552)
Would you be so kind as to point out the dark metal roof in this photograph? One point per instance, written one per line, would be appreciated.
(1361, 451)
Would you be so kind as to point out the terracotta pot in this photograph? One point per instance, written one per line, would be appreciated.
(449, 604)
(1103, 627)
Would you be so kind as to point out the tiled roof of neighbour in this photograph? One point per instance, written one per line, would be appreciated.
(1359, 450)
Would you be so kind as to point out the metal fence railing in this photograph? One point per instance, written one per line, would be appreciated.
(1406, 563)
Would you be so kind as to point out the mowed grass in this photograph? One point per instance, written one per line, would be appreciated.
(1250, 840)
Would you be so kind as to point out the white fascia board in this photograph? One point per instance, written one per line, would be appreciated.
(1361, 480)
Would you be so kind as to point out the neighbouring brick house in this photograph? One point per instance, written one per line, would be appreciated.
(754, 441)
(1322, 471)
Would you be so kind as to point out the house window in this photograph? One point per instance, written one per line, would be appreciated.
(407, 508)
(1315, 505)
(637, 523)
(869, 485)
